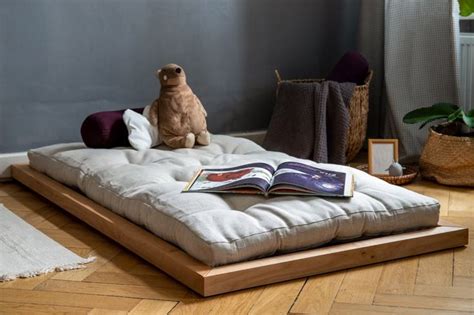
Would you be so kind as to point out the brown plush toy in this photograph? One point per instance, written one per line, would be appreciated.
(179, 114)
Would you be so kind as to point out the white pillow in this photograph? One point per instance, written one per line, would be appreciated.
(142, 134)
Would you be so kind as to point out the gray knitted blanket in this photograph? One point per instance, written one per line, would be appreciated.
(311, 121)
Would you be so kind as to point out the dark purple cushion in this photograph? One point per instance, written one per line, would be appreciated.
(106, 129)
(352, 67)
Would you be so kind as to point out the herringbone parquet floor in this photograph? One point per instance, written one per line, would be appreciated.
(120, 282)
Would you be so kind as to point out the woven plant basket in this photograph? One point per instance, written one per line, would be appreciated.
(359, 109)
(448, 160)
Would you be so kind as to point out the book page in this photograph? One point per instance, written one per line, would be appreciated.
(314, 180)
(255, 175)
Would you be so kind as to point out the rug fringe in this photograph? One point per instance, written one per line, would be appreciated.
(35, 273)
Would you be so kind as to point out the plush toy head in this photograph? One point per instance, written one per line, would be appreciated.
(171, 75)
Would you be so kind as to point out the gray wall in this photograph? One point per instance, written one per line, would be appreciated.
(62, 60)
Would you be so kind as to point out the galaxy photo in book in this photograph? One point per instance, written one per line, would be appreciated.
(311, 178)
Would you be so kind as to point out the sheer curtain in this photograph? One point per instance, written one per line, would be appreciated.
(420, 57)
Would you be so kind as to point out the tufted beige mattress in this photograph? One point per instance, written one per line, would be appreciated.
(145, 187)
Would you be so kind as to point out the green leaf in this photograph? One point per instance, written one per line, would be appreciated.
(446, 107)
(468, 118)
(466, 7)
(458, 114)
(428, 114)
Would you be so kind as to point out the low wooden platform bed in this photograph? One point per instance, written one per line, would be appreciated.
(214, 243)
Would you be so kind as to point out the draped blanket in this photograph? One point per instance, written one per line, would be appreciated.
(311, 120)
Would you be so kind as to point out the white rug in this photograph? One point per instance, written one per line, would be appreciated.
(26, 252)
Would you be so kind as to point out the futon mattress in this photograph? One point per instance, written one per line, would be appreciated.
(145, 187)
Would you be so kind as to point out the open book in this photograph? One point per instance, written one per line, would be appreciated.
(290, 178)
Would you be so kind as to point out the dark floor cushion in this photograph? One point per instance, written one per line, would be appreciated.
(352, 67)
(106, 129)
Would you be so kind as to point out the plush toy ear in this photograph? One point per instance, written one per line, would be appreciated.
(157, 73)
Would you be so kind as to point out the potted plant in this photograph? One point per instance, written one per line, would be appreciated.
(448, 155)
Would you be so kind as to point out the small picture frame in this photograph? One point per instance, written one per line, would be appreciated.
(382, 153)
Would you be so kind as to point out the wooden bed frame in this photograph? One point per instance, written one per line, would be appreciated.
(209, 281)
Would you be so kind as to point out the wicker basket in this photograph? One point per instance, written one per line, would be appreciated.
(359, 109)
(448, 160)
(409, 175)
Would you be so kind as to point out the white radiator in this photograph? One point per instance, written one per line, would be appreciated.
(467, 71)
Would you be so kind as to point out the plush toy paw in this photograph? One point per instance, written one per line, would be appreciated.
(204, 138)
(189, 141)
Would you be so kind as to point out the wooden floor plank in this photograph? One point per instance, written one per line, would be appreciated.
(144, 269)
(463, 282)
(13, 189)
(428, 302)
(360, 309)
(27, 283)
(461, 200)
(159, 280)
(37, 217)
(69, 240)
(451, 292)
(131, 291)
(277, 298)
(123, 262)
(461, 214)
(436, 269)
(24, 204)
(103, 253)
(86, 235)
(67, 299)
(101, 311)
(240, 302)
(58, 220)
(464, 261)
(25, 308)
(152, 307)
(318, 293)
(359, 285)
(398, 277)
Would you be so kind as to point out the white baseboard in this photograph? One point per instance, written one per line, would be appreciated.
(8, 159)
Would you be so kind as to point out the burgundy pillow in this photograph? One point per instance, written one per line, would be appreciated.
(106, 129)
(352, 67)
